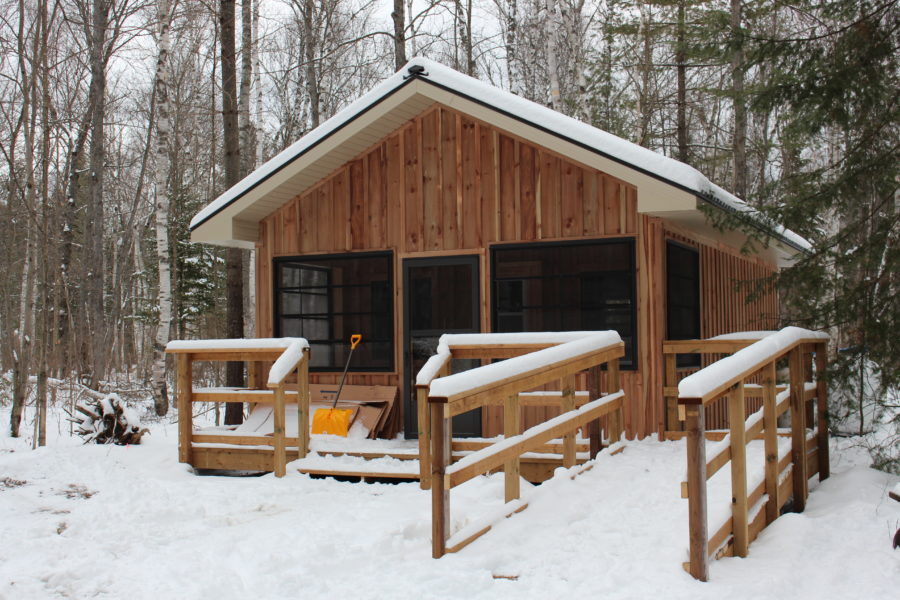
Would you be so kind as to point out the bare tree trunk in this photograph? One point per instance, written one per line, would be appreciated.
(312, 79)
(234, 295)
(551, 24)
(164, 296)
(398, 16)
(246, 126)
(681, 75)
(572, 17)
(645, 110)
(513, 52)
(42, 329)
(96, 334)
(739, 139)
(24, 334)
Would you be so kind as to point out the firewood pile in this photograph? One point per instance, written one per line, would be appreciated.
(107, 420)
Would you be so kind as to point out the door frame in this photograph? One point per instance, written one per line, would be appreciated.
(406, 263)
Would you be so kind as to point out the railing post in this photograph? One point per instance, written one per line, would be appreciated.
(279, 457)
(593, 428)
(696, 476)
(511, 469)
(770, 433)
(798, 429)
(737, 417)
(822, 404)
(670, 383)
(615, 420)
(424, 427)
(567, 404)
(183, 393)
(303, 406)
(440, 493)
(254, 375)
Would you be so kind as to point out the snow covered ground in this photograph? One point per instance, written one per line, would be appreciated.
(130, 522)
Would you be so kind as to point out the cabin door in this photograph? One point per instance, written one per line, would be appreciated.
(441, 295)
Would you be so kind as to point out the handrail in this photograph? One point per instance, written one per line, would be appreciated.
(714, 381)
(289, 355)
(532, 360)
(752, 509)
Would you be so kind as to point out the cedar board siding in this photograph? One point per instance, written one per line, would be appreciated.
(446, 184)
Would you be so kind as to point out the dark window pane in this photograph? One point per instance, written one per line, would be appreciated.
(326, 299)
(566, 287)
(683, 298)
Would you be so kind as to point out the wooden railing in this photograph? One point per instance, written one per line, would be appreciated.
(708, 350)
(756, 505)
(529, 366)
(287, 355)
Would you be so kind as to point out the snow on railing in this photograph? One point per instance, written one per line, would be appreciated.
(722, 374)
(483, 376)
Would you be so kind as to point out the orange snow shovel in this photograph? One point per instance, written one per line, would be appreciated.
(336, 421)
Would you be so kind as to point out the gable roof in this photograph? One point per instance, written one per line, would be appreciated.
(666, 187)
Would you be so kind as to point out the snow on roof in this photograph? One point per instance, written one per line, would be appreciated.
(607, 144)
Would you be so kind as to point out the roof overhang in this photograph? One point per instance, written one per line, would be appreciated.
(233, 219)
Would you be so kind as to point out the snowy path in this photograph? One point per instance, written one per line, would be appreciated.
(151, 529)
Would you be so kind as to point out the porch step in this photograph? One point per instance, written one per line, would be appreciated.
(384, 467)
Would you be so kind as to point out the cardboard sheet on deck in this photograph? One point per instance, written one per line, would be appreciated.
(375, 405)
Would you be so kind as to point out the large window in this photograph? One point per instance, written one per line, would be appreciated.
(326, 299)
(683, 298)
(566, 287)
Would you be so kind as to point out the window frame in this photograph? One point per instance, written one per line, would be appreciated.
(630, 362)
(277, 316)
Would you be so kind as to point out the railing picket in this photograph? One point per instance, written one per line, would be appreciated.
(567, 404)
(696, 471)
(822, 405)
(798, 429)
(671, 383)
(511, 469)
(770, 424)
(183, 393)
(440, 492)
(424, 427)
(279, 458)
(593, 428)
(737, 418)
(303, 407)
(615, 420)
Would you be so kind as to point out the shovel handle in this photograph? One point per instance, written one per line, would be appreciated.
(355, 339)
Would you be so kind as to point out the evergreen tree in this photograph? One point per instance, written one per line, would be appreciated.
(835, 78)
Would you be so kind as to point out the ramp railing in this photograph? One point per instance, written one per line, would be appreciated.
(287, 355)
(785, 474)
(532, 361)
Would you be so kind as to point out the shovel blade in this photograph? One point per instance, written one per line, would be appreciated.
(335, 421)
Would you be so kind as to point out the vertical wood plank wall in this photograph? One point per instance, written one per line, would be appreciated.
(727, 278)
(447, 184)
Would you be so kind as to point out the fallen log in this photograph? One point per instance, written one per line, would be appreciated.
(107, 420)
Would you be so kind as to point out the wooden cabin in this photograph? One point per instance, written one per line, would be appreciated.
(437, 203)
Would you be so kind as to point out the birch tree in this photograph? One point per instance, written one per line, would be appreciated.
(160, 188)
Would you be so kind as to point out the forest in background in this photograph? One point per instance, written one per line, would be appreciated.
(120, 119)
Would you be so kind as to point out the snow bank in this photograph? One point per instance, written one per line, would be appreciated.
(85, 521)
(706, 380)
(445, 387)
